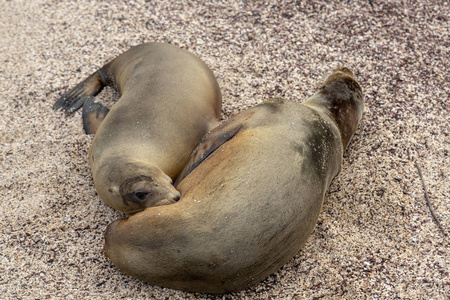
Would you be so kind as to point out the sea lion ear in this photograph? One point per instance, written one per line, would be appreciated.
(93, 114)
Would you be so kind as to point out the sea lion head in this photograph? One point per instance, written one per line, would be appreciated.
(146, 191)
(342, 99)
(134, 185)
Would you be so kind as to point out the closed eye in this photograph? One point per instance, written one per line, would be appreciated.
(141, 195)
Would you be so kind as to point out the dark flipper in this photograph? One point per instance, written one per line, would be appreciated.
(212, 141)
(207, 145)
(75, 98)
(93, 114)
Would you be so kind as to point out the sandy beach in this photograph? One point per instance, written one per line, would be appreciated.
(375, 238)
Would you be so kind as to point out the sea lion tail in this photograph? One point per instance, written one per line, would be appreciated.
(76, 97)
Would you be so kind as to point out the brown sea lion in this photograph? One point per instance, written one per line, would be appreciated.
(251, 195)
(169, 100)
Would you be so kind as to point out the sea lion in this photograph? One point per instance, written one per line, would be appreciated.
(169, 100)
(251, 194)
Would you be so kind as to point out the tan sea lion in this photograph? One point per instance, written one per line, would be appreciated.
(169, 100)
(251, 194)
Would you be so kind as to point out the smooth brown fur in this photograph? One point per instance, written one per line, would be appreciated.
(251, 195)
(169, 100)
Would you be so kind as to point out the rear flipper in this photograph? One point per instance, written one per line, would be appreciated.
(75, 98)
(93, 114)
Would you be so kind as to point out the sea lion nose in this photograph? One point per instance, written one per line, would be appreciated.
(176, 198)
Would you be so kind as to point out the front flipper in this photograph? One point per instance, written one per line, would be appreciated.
(75, 98)
(93, 114)
(212, 141)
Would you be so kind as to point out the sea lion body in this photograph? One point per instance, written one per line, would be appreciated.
(251, 195)
(169, 100)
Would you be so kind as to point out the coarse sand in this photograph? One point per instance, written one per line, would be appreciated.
(375, 237)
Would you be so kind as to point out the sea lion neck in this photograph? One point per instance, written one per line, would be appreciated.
(341, 98)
